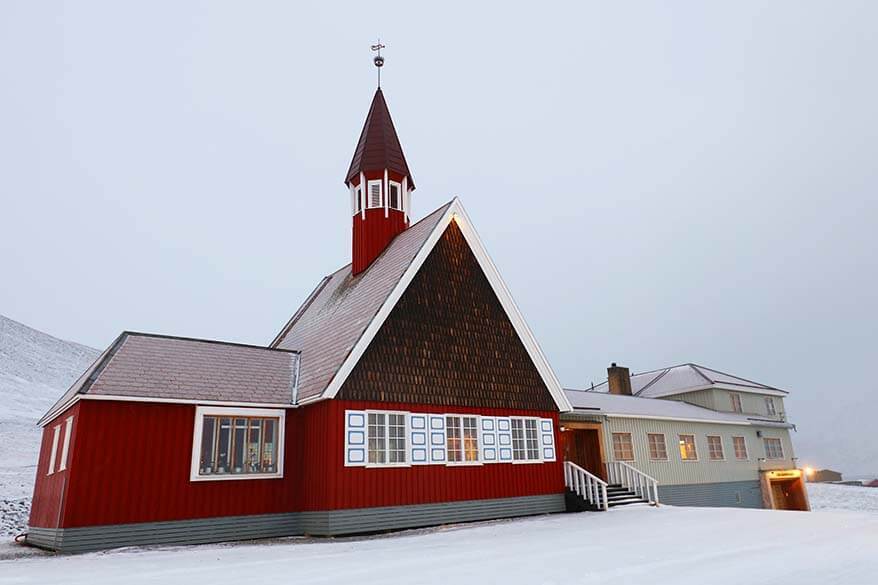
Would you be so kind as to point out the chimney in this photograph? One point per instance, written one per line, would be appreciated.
(619, 379)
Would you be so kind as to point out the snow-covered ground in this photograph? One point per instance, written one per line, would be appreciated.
(677, 546)
(827, 496)
(35, 369)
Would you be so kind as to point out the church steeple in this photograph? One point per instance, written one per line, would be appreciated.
(380, 184)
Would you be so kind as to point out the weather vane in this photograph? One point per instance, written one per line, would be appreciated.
(379, 60)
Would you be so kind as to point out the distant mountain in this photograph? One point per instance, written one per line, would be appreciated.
(35, 369)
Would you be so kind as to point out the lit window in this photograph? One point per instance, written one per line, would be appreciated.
(462, 438)
(715, 448)
(736, 402)
(525, 440)
(687, 448)
(235, 443)
(769, 406)
(623, 450)
(773, 448)
(374, 191)
(658, 451)
(394, 196)
(740, 448)
(387, 444)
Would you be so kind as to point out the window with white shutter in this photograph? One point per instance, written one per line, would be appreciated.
(374, 194)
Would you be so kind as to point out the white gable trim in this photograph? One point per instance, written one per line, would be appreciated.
(455, 212)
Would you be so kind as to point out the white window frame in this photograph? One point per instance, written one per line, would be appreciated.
(746, 456)
(630, 442)
(694, 446)
(737, 403)
(463, 461)
(524, 419)
(722, 450)
(202, 411)
(400, 197)
(765, 441)
(407, 429)
(380, 184)
(65, 449)
(664, 444)
(770, 407)
(56, 435)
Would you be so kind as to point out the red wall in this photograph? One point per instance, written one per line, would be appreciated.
(46, 505)
(372, 233)
(328, 484)
(130, 462)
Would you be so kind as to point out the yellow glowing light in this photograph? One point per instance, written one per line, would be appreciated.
(809, 471)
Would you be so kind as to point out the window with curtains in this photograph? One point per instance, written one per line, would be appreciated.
(623, 449)
(773, 448)
(715, 448)
(462, 437)
(658, 450)
(688, 452)
(236, 444)
(736, 402)
(386, 432)
(740, 448)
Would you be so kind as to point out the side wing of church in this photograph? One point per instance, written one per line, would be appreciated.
(406, 391)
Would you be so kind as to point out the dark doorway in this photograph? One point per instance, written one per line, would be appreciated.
(583, 447)
(788, 494)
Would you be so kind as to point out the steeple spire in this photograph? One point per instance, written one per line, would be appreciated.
(380, 184)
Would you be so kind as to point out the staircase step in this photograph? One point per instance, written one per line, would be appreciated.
(626, 501)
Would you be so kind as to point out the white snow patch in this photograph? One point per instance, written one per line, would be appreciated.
(828, 496)
(678, 546)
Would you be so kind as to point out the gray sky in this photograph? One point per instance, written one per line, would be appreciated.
(657, 182)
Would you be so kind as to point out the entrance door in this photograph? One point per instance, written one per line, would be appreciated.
(583, 447)
(787, 494)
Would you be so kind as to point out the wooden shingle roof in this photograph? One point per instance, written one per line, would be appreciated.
(379, 147)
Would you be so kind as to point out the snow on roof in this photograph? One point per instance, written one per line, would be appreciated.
(640, 407)
(141, 365)
(688, 378)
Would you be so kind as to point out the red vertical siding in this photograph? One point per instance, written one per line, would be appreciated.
(330, 485)
(48, 499)
(131, 463)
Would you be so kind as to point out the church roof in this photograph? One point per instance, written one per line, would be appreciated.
(161, 367)
(337, 322)
(689, 378)
(379, 147)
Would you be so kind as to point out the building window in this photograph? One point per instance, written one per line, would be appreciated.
(238, 443)
(357, 199)
(658, 451)
(773, 448)
(374, 193)
(740, 448)
(736, 402)
(623, 450)
(462, 438)
(688, 452)
(525, 440)
(769, 406)
(715, 448)
(394, 196)
(387, 444)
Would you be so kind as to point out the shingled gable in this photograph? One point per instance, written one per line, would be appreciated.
(342, 317)
(178, 369)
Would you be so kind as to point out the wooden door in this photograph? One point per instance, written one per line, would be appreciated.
(583, 448)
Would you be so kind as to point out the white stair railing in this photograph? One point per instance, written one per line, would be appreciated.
(590, 487)
(646, 487)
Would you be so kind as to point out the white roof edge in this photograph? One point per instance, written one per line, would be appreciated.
(454, 211)
(720, 386)
(744, 423)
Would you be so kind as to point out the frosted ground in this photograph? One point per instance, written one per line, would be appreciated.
(838, 543)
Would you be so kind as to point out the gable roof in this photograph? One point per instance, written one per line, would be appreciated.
(165, 368)
(620, 405)
(689, 378)
(339, 320)
(378, 147)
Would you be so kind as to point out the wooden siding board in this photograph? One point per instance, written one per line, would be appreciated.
(448, 341)
(722, 494)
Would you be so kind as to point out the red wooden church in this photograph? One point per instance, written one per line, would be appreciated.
(406, 391)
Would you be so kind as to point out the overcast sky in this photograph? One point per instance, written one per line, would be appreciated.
(657, 182)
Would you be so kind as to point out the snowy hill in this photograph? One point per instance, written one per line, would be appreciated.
(35, 369)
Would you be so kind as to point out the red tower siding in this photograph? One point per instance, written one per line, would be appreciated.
(329, 485)
(372, 234)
